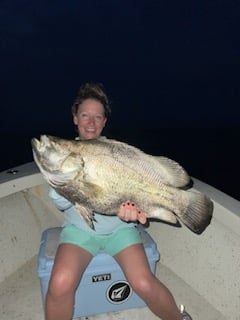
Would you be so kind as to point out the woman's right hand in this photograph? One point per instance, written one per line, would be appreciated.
(129, 212)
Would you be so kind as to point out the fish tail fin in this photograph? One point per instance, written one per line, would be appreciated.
(198, 213)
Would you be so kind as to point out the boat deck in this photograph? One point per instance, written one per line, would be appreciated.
(20, 298)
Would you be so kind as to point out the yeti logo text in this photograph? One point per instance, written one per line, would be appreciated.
(119, 292)
(101, 277)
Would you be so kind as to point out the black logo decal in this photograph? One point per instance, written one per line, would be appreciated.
(119, 292)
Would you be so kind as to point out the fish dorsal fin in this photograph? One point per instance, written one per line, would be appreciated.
(173, 173)
(166, 171)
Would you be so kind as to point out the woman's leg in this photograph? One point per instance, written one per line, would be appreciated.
(158, 298)
(69, 265)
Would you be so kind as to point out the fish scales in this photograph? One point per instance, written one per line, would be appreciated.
(171, 172)
(131, 156)
(98, 175)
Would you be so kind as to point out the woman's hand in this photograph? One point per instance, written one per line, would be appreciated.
(129, 212)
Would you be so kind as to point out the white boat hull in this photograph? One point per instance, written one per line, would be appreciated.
(202, 271)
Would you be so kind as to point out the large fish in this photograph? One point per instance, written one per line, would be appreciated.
(98, 175)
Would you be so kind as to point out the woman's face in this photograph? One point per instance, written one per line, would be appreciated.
(90, 119)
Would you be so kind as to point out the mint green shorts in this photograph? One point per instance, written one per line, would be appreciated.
(93, 243)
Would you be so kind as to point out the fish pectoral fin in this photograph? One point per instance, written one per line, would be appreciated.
(87, 214)
(89, 189)
(163, 214)
(173, 173)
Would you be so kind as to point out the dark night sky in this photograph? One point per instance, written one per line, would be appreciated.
(171, 69)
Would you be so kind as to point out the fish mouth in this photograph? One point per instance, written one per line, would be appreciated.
(40, 145)
(44, 146)
(39, 148)
(35, 143)
(50, 161)
(42, 150)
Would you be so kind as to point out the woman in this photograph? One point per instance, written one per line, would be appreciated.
(79, 243)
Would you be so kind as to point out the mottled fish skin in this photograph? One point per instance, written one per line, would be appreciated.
(98, 175)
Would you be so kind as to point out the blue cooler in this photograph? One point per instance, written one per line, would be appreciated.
(103, 287)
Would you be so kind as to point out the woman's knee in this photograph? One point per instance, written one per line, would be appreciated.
(61, 284)
(144, 286)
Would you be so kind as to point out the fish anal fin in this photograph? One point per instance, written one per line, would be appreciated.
(89, 189)
(163, 214)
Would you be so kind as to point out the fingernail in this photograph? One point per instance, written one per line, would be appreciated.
(139, 212)
(133, 204)
(123, 204)
(128, 203)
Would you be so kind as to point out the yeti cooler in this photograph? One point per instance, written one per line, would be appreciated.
(103, 287)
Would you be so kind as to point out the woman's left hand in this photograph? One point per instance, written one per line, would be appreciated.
(129, 212)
